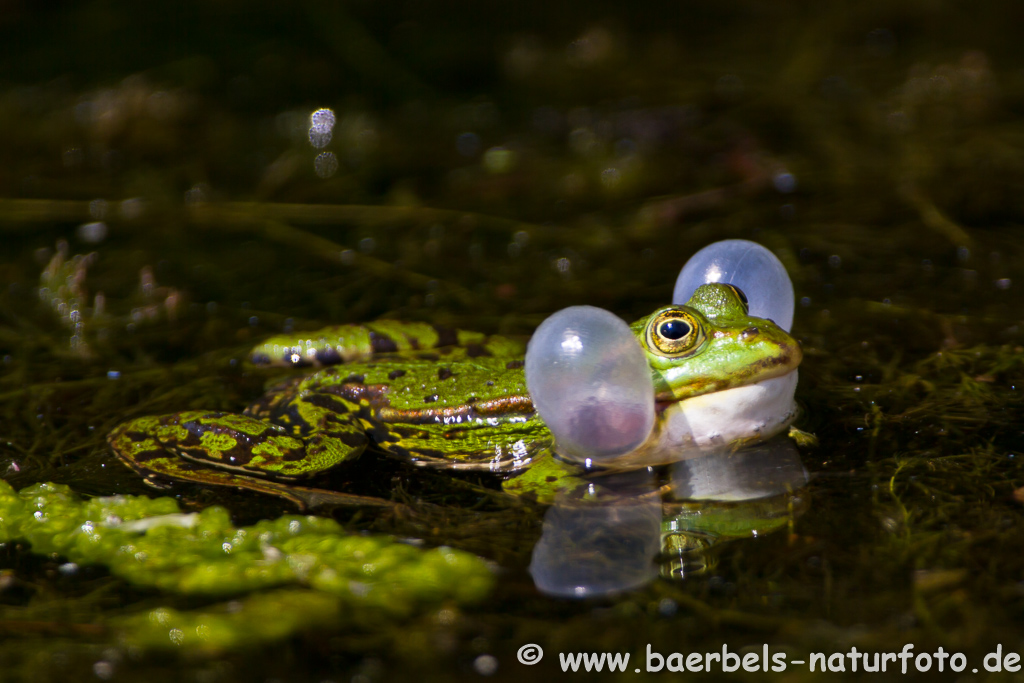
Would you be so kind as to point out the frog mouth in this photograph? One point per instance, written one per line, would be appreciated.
(781, 367)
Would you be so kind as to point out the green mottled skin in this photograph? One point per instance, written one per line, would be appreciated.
(461, 406)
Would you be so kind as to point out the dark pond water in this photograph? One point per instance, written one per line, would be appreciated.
(487, 166)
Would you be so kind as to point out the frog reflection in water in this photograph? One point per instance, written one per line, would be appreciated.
(458, 400)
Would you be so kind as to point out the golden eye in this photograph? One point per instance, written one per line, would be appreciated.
(741, 296)
(675, 333)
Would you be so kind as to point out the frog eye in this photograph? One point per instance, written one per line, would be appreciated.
(741, 296)
(674, 330)
(675, 333)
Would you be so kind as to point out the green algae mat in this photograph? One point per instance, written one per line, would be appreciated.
(150, 543)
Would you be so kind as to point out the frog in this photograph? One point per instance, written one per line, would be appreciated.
(450, 399)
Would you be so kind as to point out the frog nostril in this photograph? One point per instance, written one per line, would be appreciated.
(749, 333)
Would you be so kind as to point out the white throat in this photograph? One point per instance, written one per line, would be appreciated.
(749, 413)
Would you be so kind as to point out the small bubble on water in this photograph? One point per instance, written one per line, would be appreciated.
(319, 137)
(784, 182)
(92, 233)
(321, 127)
(485, 665)
(322, 118)
(667, 607)
(610, 177)
(325, 164)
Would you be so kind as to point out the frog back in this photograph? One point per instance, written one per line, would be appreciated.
(383, 338)
(452, 413)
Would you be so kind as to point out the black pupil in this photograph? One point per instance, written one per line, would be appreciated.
(740, 294)
(675, 329)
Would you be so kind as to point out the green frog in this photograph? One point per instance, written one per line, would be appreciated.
(458, 400)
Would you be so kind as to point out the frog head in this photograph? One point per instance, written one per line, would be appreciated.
(711, 344)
